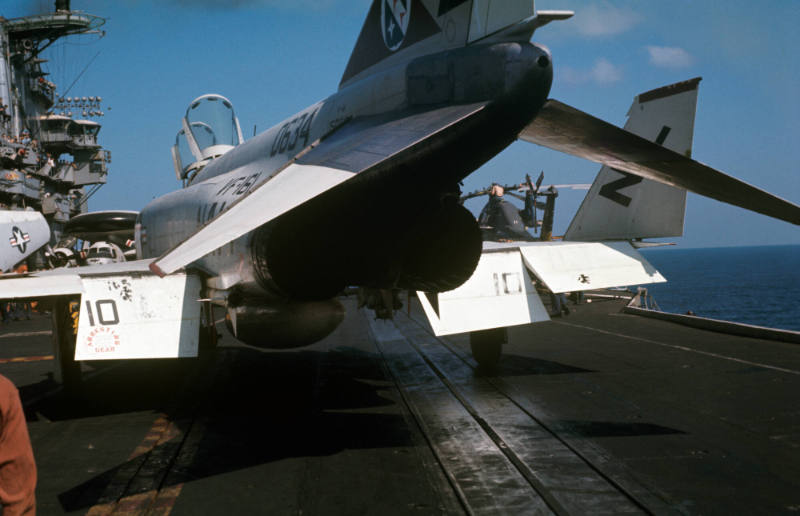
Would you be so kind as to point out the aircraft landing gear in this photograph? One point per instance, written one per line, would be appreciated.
(208, 332)
(487, 346)
(65, 332)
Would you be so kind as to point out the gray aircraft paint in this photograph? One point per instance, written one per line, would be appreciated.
(383, 88)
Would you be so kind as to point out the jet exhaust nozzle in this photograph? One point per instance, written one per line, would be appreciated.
(432, 251)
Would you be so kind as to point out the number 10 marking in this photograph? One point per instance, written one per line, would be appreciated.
(103, 313)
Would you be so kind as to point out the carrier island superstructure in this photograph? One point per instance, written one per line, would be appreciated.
(50, 159)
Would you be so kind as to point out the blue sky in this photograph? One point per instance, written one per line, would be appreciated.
(275, 57)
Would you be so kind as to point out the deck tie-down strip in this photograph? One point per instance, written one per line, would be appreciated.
(498, 458)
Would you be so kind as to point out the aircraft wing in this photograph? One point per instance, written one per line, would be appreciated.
(566, 129)
(65, 280)
(501, 291)
(22, 233)
(124, 311)
(359, 146)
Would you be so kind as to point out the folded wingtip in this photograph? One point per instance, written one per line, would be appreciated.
(157, 270)
(566, 129)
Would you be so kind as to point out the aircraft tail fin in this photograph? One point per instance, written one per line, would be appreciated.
(399, 30)
(622, 206)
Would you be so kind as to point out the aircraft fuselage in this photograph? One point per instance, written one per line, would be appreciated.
(514, 78)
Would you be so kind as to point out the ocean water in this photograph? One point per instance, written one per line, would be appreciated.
(753, 285)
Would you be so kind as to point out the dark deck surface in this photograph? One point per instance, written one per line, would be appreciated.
(596, 412)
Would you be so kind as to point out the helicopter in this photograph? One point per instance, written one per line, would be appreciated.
(501, 221)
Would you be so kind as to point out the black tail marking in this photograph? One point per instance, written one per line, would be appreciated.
(371, 47)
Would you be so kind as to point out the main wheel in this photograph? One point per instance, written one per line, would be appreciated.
(208, 333)
(487, 346)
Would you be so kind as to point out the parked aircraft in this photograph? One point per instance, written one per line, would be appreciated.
(273, 228)
(107, 234)
(104, 252)
(23, 233)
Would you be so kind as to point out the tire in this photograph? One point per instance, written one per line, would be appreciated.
(487, 346)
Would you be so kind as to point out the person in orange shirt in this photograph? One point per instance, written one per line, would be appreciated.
(17, 466)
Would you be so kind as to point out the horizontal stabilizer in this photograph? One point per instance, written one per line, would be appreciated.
(22, 233)
(566, 129)
(545, 17)
(64, 281)
(13, 286)
(499, 293)
(523, 30)
(579, 266)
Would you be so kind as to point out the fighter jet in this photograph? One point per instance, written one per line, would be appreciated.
(272, 229)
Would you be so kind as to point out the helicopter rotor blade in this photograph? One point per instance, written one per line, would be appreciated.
(539, 180)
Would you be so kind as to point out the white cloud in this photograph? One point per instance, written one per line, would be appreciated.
(604, 20)
(570, 75)
(669, 57)
(602, 73)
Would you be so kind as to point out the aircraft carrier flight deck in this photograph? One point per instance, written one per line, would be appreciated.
(595, 412)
